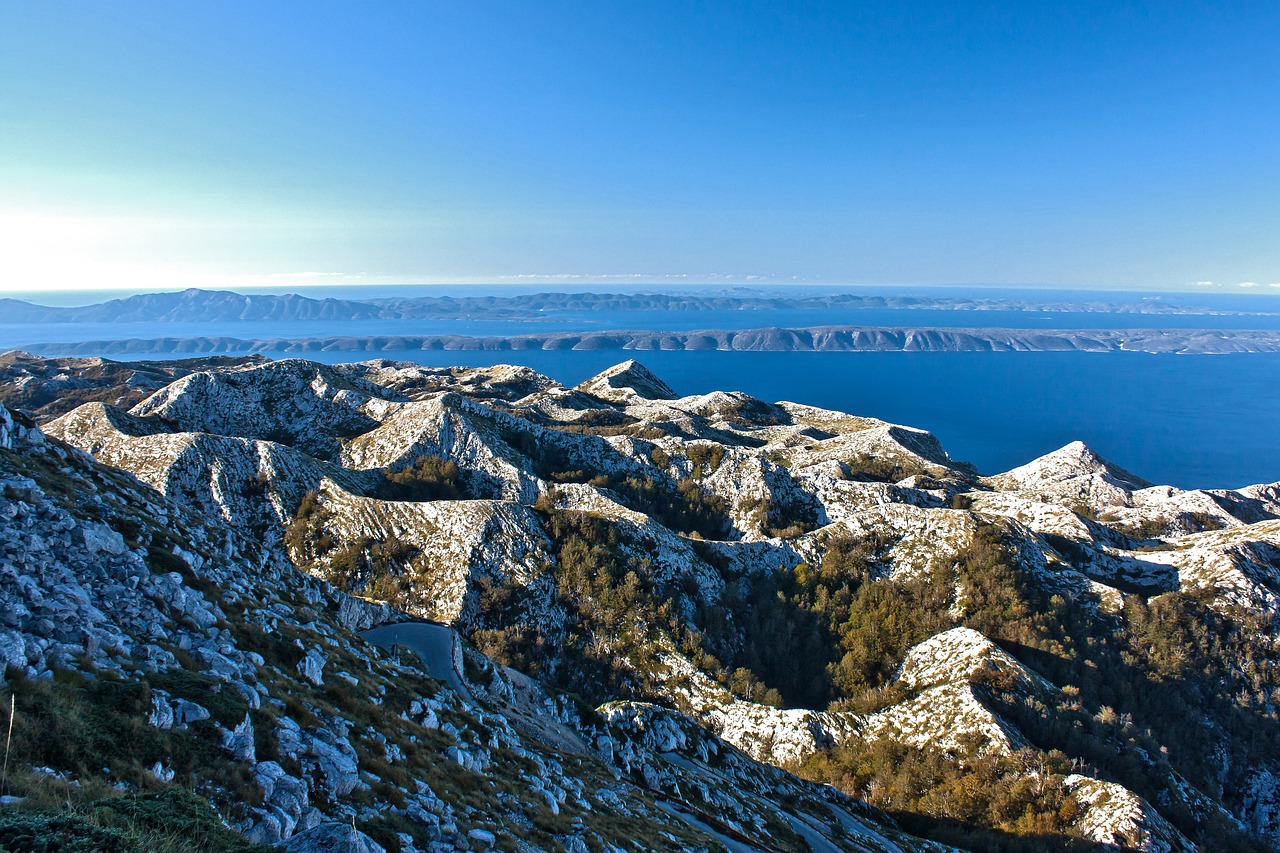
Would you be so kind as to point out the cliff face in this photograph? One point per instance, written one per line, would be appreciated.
(737, 588)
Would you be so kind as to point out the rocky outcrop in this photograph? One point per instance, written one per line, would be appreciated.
(1072, 475)
(943, 710)
(416, 381)
(255, 485)
(448, 548)
(295, 402)
(45, 388)
(332, 838)
(1238, 567)
(1117, 818)
(626, 382)
(912, 540)
(961, 654)
(10, 433)
(448, 427)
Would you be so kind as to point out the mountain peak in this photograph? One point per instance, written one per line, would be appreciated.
(1077, 456)
(626, 381)
(1073, 460)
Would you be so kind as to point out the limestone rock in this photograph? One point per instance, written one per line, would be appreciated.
(625, 382)
(333, 838)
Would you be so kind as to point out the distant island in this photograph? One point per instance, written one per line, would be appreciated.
(812, 339)
(207, 306)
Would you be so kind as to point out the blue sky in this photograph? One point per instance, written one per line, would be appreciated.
(1108, 145)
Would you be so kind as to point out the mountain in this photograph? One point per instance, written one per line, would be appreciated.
(192, 306)
(202, 306)
(473, 608)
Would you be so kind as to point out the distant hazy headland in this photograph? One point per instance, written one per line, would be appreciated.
(816, 339)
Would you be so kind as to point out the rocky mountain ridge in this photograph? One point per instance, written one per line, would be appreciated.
(790, 586)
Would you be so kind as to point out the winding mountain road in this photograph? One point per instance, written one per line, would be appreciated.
(432, 643)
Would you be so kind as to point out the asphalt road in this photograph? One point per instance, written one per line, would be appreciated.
(432, 643)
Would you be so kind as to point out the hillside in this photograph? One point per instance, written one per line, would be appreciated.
(640, 621)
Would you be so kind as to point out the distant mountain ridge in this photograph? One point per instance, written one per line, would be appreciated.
(810, 339)
(191, 306)
(195, 305)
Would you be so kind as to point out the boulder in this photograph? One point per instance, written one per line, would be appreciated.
(312, 666)
(333, 838)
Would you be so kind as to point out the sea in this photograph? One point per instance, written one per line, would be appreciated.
(1192, 421)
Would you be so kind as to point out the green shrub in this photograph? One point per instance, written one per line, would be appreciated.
(169, 821)
(880, 469)
(428, 478)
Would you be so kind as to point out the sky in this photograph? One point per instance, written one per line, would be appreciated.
(1117, 144)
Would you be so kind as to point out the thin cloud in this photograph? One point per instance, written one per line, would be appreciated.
(635, 276)
(304, 274)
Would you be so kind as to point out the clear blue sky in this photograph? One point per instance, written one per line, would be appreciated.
(172, 143)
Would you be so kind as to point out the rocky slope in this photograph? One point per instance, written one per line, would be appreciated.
(127, 615)
(733, 589)
(54, 386)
